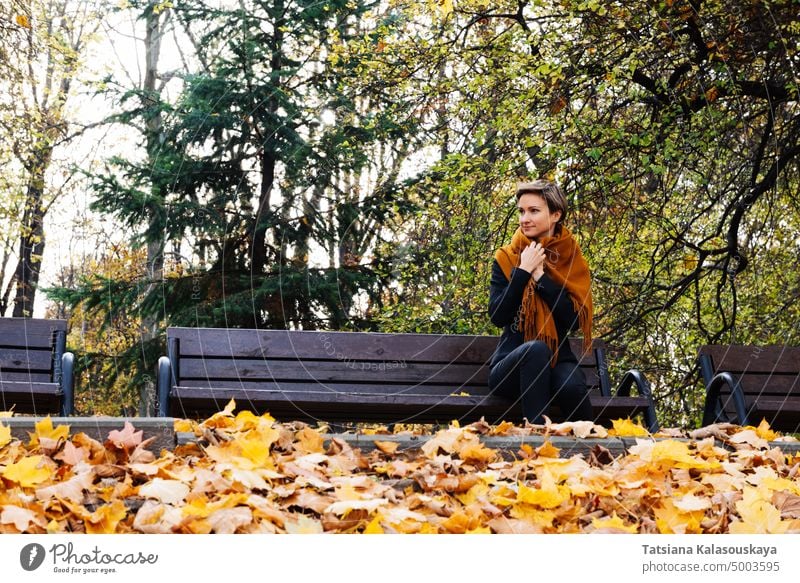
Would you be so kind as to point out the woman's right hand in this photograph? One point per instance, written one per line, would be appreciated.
(532, 258)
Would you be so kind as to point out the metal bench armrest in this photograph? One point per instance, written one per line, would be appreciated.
(164, 379)
(712, 411)
(67, 384)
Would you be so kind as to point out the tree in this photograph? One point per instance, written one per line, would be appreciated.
(674, 128)
(42, 51)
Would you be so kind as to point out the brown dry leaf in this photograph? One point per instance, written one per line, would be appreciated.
(788, 504)
(228, 520)
(310, 441)
(504, 525)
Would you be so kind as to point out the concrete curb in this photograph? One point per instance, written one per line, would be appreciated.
(162, 428)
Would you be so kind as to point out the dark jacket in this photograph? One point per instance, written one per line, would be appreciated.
(505, 298)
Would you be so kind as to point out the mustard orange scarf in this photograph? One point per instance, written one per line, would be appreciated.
(565, 265)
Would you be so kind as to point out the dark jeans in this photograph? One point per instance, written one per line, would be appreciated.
(525, 374)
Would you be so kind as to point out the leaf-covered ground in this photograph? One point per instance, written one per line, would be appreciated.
(250, 474)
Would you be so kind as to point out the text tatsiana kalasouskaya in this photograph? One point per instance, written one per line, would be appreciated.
(709, 550)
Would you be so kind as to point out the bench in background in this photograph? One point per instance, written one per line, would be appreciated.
(747, 383)
(358, 376)
(36, 373)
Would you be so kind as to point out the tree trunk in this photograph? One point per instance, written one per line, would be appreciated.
(155, 248)
(31, 245)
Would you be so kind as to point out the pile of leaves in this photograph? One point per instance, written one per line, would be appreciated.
(250, 474)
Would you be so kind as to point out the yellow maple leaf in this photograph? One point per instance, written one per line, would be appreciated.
(547, 495)
(547, 449)
(374, 527)
(479, 530)
(765, 432)
(502, 428)
(26, 472)
(184, 426)
(257, 451)
(471, 496)
(542, 519)
(476, 452)
(758, 514)
(5, 435)
(457, 523)
(311, 441)
(671, 520)
(387, 447)
(627, 428)
(44, 428)
(615, 524)
(105, 519)
(22, 20)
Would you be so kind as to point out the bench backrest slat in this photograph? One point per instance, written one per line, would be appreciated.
(229, 357)
(775, 360)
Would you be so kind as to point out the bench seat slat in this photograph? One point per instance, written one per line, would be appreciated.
(30, 397)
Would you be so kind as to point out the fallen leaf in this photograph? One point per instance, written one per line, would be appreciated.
(28, 472)
(304, 525)
(127, 438)
(72, 489)
(387, 447)
(613, 524)
(627, 428)
(44, 428)
(21, 518)
(166, 491)
(228, 520)
(72, 455)
(5, 435)
(156, 518)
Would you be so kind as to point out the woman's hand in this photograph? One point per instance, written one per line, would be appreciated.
(532, 260)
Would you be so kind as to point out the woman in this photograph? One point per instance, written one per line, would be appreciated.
(540, 292)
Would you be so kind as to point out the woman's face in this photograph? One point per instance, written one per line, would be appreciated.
(535, 218)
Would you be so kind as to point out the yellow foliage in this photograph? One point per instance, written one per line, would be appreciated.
(27, 472)
(5, 435)
(44, 428)
(671, 520)
(627, 428)
(614, 523)
(758, 514)
(547, 495)
(765, 432)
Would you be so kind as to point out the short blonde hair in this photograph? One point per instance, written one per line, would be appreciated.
(549, 191)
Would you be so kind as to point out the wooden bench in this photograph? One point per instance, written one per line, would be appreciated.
(747, 383)
(358, 376)
(36, 373)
